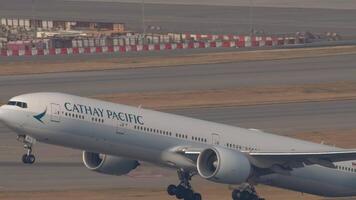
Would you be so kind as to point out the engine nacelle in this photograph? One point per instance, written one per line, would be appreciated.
(107, 164)
(224, 166)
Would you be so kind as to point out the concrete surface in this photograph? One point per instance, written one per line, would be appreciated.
(283, 119)
(60, 169)
(329, 4)
(214, 76)
(192, 18)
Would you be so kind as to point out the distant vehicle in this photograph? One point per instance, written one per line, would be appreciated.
(114, 138)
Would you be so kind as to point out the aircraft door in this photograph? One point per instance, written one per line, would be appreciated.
(215, 139)
(55, 112)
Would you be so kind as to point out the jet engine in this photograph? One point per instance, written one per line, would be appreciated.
(224, 166)
(107, 164)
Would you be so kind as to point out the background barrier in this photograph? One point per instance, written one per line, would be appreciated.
(227, 41)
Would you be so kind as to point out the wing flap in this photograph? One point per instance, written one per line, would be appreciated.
(333, 156)
(295, 159)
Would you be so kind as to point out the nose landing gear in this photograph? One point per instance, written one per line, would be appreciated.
(184, 189)
(28, 158)
(28, 142)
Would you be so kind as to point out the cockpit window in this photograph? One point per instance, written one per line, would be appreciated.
(12, 103)
(18, 104)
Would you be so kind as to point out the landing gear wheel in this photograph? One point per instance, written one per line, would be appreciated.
(31, 159)
(246, 196)
(197, 196)
(245, 192)
(181, 192)
(184, 189)
(172, 190)
(24, 158)
(236, 194)
(28, 142)
(28, 159)
(188, 194)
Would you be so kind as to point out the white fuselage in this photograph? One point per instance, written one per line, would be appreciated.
(146, 135)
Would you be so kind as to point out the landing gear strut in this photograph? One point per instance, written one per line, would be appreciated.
(28, 157)
(245, 192)
(184, 189)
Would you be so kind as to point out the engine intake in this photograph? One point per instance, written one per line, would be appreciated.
(108, 164)
(224, 166)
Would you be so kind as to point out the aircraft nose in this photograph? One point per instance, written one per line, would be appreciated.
(2, 113)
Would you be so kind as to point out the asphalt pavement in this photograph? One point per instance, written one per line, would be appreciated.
(191, 77)
(190, 18)
(60, 168)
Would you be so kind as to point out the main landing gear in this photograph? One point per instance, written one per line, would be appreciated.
(28, 142)
(184, 189)
(245, 192)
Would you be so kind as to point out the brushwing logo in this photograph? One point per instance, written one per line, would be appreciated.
(40, 116)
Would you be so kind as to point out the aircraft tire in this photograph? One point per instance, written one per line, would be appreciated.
(24, 158)
(197, 196)
(31, 159)
(180, 193)
(28, 159)
(172, 190)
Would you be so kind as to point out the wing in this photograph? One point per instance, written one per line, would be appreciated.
(284, 162)
(332, 156)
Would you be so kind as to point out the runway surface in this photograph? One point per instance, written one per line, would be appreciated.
(329, 4)
(190, 18)
(63, 165)
(195, 77)
(283, 119)
(60, 168)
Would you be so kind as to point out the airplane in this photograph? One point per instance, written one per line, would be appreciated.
(115, 138)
